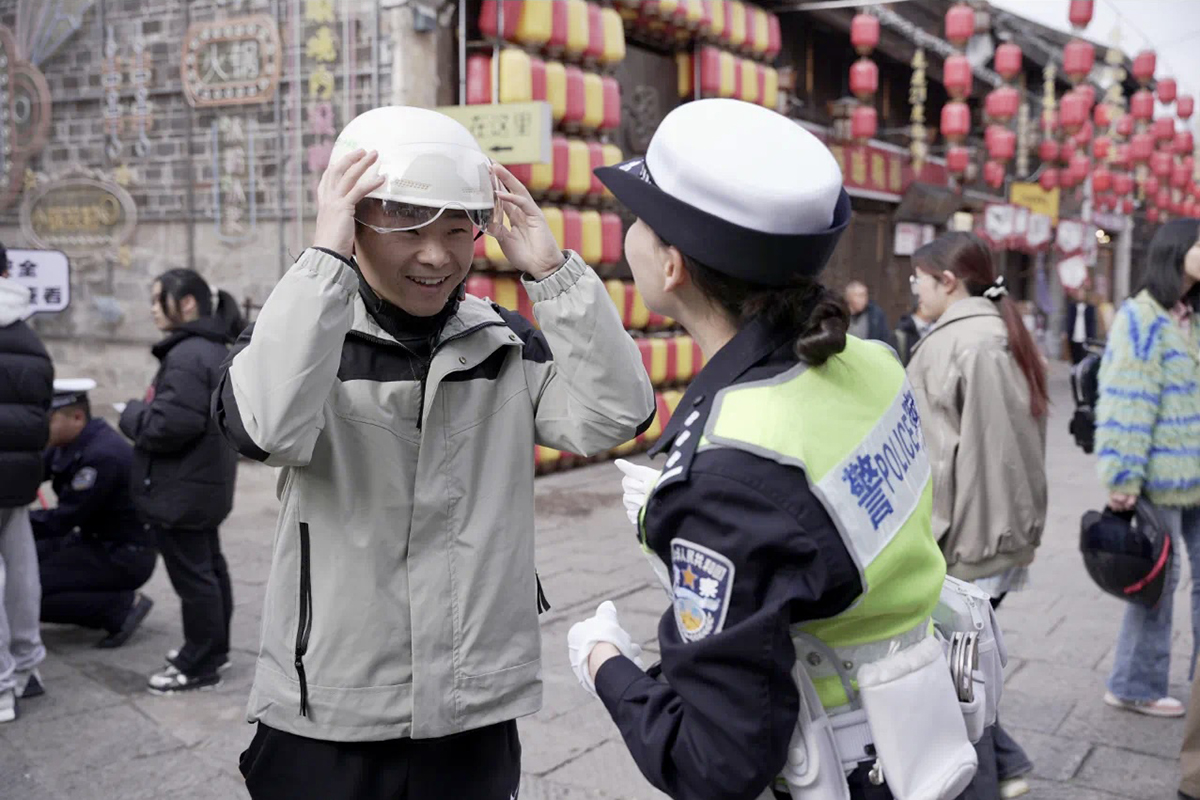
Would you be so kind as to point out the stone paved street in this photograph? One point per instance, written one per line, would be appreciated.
(99, 735)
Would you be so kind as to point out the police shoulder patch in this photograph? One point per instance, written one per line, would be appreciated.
(84, 479)
(702, 583)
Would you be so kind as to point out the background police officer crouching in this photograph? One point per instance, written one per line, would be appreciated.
(93, 552)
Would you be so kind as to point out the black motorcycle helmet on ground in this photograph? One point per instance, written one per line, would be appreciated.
(1128, 554)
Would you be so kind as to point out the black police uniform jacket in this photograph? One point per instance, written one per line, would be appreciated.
(90, 477)
(183, 470)
(714, 718)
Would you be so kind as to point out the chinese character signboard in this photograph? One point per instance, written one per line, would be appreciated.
(511, 133)
(80, 214)
(1035, 198)
(232, 61)
(47, 275)
(871, 170)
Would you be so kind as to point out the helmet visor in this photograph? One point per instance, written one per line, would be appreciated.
(401, 215)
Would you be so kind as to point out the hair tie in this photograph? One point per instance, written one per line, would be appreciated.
(997, 290)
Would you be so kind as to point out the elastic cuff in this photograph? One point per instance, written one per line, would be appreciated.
(558, 281)
(334, 266)
(614, 678)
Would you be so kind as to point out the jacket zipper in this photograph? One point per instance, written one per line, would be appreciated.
(304, 624)
(429, 361)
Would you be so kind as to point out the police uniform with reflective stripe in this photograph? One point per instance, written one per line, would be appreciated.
(774, 468)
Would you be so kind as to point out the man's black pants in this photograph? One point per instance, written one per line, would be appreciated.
(201, 579)
(91, 583)
(483, 764)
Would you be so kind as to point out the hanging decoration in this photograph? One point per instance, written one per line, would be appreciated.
(918, 93)
(957, 78)
(864, 77)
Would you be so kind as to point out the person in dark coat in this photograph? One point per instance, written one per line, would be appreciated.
(26, 381)
(867, 320)
(183, 470)
(93, 551)
(1079, 324)
(910, 330)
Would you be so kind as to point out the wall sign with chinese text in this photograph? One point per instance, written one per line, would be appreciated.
(234, 61)
(79, 213)
(47, 274)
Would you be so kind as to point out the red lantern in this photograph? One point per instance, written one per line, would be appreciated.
(1072, 112)
(1125, 126)
(956, 121)
(1163, 198)
(1184, 143)
(864, 78)
(1078, 58)
(1001, 143)
(1190, 163)
(1066, 151)
(1089, 94)
(993, 174)
(1123, 183)
(1127, 206)
(1068, 179)
(1144, 65)
(1048, 150)
(1048, 179)
(1152, 215)
(1121, 156)
(1164, 129)
(1102, 116)
(1002, 103)
(1140, 147)
(864, 33)
(960, 24)
(1100, 147)
(1080, 164)
(1102, 180)
(1008, 60)
(1160, 163)
(1179, 176)
(1150, 185)
(1141, 105)
(1166, 91)
(1080, 13)
(957, 159)
(1184, 106)
(1084, 135)
(956, 76)
(863, 122)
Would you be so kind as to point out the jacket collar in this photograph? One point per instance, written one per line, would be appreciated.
(64, 455)
(471, 313)
(968, 308)
(754, 342)
(206, 327)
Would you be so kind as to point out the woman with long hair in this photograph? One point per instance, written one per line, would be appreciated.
(1148, 443)
(981, 386)
(790, 524)
(183, 471)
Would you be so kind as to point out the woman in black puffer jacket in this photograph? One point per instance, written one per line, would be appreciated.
(184, 472)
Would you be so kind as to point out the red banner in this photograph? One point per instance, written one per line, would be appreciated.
(873, 169)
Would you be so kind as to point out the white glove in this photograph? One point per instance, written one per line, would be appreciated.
(585, 635)
(636, 483)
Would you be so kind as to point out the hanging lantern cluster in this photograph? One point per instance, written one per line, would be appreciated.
(1000, 106)
(957, 78)
(864, 76)
(1112, 184)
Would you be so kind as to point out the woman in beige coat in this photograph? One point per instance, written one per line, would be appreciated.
(981, 388)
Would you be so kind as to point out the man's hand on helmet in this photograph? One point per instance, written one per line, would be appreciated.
(345, 182)
(527, 241)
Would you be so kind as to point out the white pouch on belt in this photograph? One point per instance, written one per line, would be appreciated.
(966, 608)
(814, 767)
(920, 736)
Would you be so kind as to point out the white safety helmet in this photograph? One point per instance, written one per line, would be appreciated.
(429, 161)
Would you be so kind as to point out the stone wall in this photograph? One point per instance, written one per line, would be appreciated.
(185, 152)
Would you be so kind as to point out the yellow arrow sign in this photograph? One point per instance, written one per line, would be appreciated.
(510, 133)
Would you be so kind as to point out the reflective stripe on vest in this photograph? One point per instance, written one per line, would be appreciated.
(852, 425)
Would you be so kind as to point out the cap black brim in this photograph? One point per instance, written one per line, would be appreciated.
(770, 259)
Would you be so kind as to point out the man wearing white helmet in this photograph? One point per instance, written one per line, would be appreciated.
(790, 525)
(400, 634)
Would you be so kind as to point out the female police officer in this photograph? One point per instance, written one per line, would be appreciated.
(792, 515)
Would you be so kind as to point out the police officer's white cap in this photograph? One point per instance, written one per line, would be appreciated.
(738, 187)
(68, 391)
